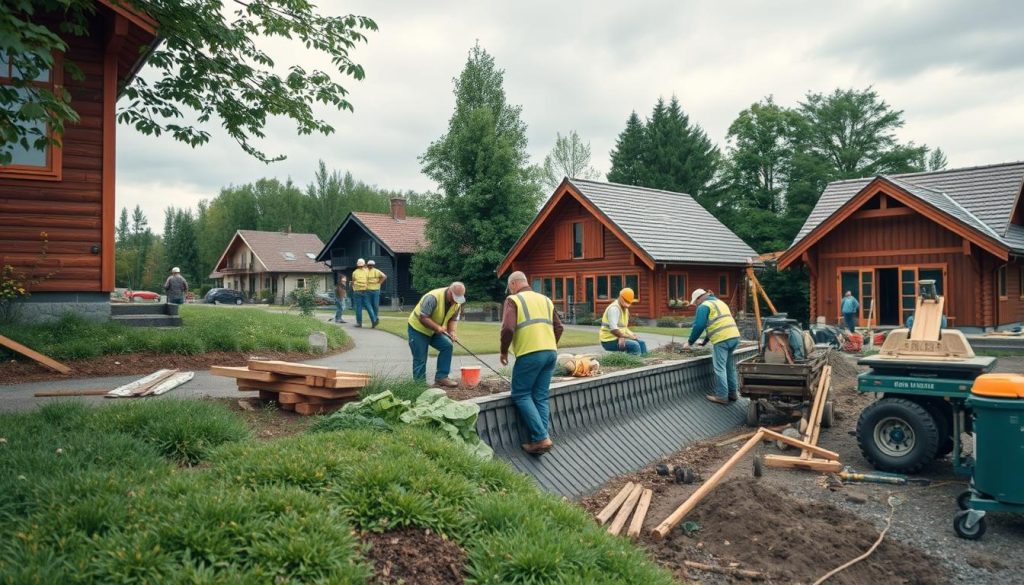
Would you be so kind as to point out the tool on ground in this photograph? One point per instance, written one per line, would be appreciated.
(67, 393)
(888, 478)
(479, 359)
(681, 474)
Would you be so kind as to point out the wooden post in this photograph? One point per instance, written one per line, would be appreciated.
(613, 505)
(640, 515)
(625, 510)
(676, 517)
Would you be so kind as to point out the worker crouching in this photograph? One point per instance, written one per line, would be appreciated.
(432, 324)
(531, 328)
(615, 334)
(714, 318)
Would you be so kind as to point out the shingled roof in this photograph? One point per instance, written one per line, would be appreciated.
(397, 236)
(983, 198)
(278, 251)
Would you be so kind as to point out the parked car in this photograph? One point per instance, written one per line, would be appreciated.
(145, 295)
(325, 298)
(228, 296)
(209, 294)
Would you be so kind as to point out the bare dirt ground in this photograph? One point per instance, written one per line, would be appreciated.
(265, 419)
(793, 528)
(413, 555)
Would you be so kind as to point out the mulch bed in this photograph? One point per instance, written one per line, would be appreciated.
(16, 372)
(415, 555)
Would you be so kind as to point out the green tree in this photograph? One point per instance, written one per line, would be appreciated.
(628, 154)
(488, 192)
(121, 232)
(179, 239)
(569, 157)
(937, 160)
(208, 65)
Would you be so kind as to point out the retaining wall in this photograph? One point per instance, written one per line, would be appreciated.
(612, 424)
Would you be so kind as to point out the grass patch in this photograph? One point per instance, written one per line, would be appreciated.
(999, 352)
(484, 338)
(204, 329)
(113, 507)
(620, 359)
(677, 332)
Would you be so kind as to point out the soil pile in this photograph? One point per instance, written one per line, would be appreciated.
(414, 555)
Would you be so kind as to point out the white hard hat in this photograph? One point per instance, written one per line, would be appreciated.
(371, 263)
(360, 262)
(696, 295)
(175, 269)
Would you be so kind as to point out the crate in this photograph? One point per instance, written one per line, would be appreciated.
(759, 379)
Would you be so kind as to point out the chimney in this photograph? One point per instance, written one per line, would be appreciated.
(398, 209)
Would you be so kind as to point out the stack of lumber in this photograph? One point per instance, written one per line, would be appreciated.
(633, 500)
(806, 460)
(301, 388)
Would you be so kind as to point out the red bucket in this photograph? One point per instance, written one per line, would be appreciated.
(470, 376)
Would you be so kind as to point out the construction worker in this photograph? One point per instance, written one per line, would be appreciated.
(376, 279)
(340, 292)
(714, 318)
(849, 308)
(176, 287)
(531, 327)
(615, 334)
(432, 324)
(360, 298)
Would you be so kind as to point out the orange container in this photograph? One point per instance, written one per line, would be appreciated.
(470, 376)
(999, 386)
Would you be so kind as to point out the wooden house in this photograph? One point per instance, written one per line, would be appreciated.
(878, 236)
(67, 192)
(591, 239)
(389, 239)
(270, 265)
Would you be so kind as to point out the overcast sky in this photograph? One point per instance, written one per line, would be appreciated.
(955, 68)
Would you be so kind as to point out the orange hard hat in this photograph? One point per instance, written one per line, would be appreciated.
(627, 295)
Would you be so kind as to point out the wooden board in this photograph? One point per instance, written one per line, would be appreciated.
(305, 408)
(345, 382)
(248, 385)
(82, 392)
(770, 434)
(627, 508)
(790, 462)
(35, 355)
(243, 373)
(315, 381)
(292, 369)
(640, 514)
(613, 506)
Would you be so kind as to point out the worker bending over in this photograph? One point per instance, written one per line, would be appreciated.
(432, 324)
(615, 334)
(531, 327)
(714, 318)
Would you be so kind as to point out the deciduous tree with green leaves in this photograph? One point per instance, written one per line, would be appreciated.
(570, 157)
(488, 191)
(209, 66)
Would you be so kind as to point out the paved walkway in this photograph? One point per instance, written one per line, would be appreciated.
(376, 352)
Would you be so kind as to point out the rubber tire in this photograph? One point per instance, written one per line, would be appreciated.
(918, 418)
(943, 415)
(973, 534)
(963, 500)
(828, 415)
(753, 413)
(238, 301)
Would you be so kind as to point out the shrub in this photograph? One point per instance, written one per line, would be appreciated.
(620, 359)
(305, 299)
(669, 322)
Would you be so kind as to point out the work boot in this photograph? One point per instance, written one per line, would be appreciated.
(375, 323)
(733, 397)
(715, 399)
(446, 383)
(539, 448)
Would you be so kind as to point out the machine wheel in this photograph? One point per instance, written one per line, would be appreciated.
(960, 526)
(828, 415)
(896, 434)
(753, 413)
(963, 501)
(238, 301)
(942, 412)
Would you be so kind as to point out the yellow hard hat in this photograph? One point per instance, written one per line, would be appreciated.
(627, 295)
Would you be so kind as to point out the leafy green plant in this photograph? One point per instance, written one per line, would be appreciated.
(305, 299)
(620, 359)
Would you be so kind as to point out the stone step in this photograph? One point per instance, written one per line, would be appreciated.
(148, 320)
(143, 308)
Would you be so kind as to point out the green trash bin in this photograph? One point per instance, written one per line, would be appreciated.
(997, 401)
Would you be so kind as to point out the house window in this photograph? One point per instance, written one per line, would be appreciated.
(676, 286)
(609, 286)
(536, 285)
(570, 289)
(723, 286)
(300, 283)
(559, 290)
(1002, 282)
(577, 240)
(32, 161)
(547, 287)
(602, 287)
(616, 284)
(633, 282)
(367, 248)
(266, 283)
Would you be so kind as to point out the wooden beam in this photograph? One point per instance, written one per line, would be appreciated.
(118, 32)
(627, 508)
(243, 373)
(640, 514)
(613, 506)
(770, 434)
(292, 369)
(889, 253)
(249, 386)
(82, 392)
(878, 213)
(967, 247)
(35, 355)
(790, 462)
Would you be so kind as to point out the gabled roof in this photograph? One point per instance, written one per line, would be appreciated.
(398, 236)
(983, 198)
(661, 227)
(278, 251)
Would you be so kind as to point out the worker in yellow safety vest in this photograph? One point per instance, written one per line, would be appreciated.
(615, 334)
(360, 293)
(531, 328)
(432, 324)
(714, 319)
(375, 278)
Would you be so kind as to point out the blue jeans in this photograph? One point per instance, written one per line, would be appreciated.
(374, 298)
(726, 384)
(361, 300)
(634, 347)
(339, 308)
(531, 381)
(419, 344)
(851, 321)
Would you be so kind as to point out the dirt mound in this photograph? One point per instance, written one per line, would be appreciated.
(791, 541)
(414, 555)
(842, 364)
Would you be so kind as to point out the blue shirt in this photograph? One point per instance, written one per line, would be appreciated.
(850, 305)
(700, 321)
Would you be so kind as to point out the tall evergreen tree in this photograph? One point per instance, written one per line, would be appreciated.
(628, 154)
(937, 160)
(488, 192)
(121, 232)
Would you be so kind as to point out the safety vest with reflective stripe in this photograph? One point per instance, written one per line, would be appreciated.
(535, 319)
(721, 325)
(606, 327)
(360, 279)
(373, 279)
(438, 316)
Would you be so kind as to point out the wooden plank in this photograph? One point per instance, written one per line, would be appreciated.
(35, 355)
(770, 434)
(613, 506)
(243, 373)
(315, 381)
(790, 462)
(345, 382)
(292, 369)
(306, 408)
(826, 388)
(82, 392)
(640, 514)
(627, 508)
(247, 385)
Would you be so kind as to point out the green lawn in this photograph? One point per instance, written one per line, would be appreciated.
(482, 338)
(176, 491)
(205, 328)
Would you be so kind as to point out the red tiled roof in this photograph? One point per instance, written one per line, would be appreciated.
(405, 236)
(281, 252)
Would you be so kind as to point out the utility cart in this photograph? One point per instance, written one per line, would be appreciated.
(782, 388)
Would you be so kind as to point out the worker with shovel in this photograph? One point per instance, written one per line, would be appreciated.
(531, 327)
(713, 316)
(432, 324)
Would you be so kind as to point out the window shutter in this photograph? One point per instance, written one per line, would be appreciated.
(593, 239)
(563, 241)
